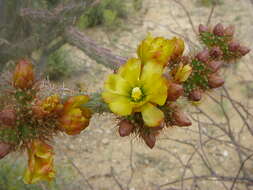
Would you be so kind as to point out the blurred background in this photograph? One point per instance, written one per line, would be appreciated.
(214, 153)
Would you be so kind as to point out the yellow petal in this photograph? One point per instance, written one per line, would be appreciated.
(116, 84)
(130, 71)
(151, 115)
(151, 69)
(157, 90)
(156, 49)
(75, 101)
(183, 72)
(121, 106)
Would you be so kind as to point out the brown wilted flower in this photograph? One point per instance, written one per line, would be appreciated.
(125, 128)
(23, 76)
(178, 48)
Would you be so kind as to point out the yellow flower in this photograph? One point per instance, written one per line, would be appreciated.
(75, 117)
(40, 163)
(156, 49)
(178, 48)
(182, 72)
(137, 88)
(23, 76)
(48, 106)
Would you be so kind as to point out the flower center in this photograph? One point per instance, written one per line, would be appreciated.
(136, 94)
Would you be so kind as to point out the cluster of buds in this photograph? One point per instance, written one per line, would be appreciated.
(30, 121)
(222, 40)
(144, 94)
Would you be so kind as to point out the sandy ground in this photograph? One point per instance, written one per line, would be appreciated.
(99, 151)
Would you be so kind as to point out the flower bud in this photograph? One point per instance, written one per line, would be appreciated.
(23, 76)
(203, 28)
(216, 52)
(182, 72)
(125, 128)
(214, 65)
(215, 81)
(243, 50)
(4, 149)
(174, 91)
(149, 139)
(8, 117)
(229, 31)
(233, 46)
(195, 95)
(180, 119)
(203, 56)
(219, 30)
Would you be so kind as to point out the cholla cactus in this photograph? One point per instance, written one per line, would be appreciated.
(30, 121)
(144, 94)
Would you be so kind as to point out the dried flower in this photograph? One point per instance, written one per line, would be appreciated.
(244, 50)
(178, 48)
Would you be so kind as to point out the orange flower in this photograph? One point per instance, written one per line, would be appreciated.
(23, 76)
(48, 106)
(75, 117)
(40, 163)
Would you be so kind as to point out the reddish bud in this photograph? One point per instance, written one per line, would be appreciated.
(125, 128)
(229, 31)
(214, 65)
(150, 140)
(243, 50)
(180, 119)
(216, 52)
(215, 81)
(8, 117)
(203, 28)
(23, 76)
(203, 56)
(195, 95)
(174, 91)
(233, 46)
(219, 30)
(4, 149)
